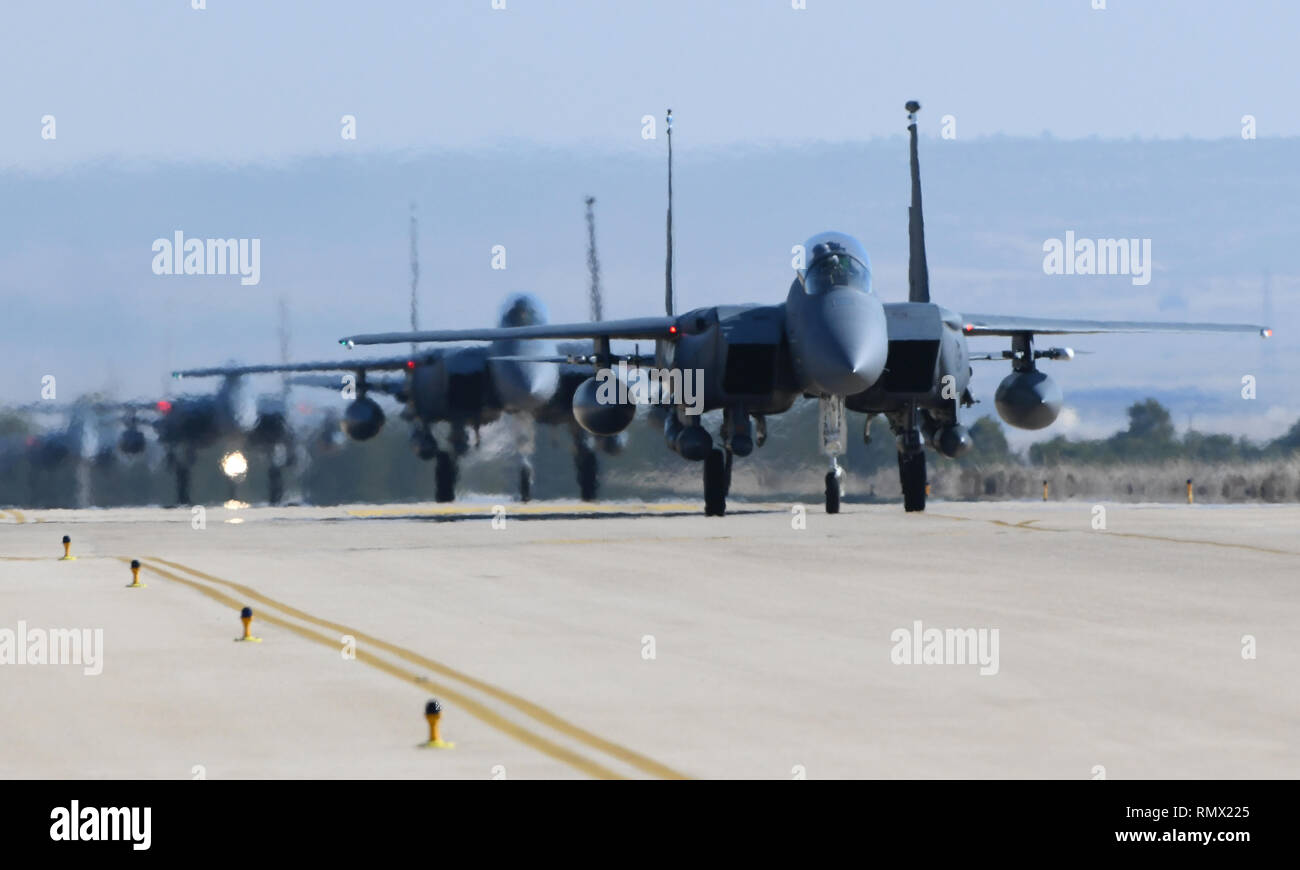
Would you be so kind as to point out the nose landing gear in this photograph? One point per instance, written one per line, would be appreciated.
(831, 410)
(834, 487)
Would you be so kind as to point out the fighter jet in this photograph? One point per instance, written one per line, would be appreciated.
(464, 387)
(832, 339)
(229, 417)
(87, 434)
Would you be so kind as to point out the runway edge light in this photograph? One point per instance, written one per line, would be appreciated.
(67, 550)
(246, 617)
(135, 576)
(433, 713)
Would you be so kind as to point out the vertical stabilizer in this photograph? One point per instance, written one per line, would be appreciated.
(918, 273)
(668, 268)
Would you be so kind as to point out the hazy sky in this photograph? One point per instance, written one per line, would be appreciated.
(246, 79)
(225, 122)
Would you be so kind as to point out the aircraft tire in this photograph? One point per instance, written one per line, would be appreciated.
(444, 477)
(911, 474)
(588, 480)
(832, 493)
(525, 484)
(275, 485)
(715, 484)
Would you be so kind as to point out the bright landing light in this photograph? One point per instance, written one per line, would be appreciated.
(234, 464)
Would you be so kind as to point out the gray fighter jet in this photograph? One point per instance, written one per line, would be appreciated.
(89, 430)
(832, 339)
(465, 387)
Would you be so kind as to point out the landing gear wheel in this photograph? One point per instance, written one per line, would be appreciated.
(585, 463)
(526, 483)
(275, 485)
(182, 484)
(832, 493)
(911, 474)
(715, 484)
(444, 477)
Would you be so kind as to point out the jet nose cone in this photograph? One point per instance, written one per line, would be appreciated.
(846, 344)
(524, 386)
(845, 369)
(541, 379)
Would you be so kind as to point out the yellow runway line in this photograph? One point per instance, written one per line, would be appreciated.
(536, 712)
(1025, 525)
(656, 540)
(464, 702)
(540, 714)
(530, 510)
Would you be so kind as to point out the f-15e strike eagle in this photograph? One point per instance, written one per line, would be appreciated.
(833, 339)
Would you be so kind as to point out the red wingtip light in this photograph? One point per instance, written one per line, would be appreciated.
(1267, 333)
(672, 330)
(968, 328)
(410, 364)
(164, 406)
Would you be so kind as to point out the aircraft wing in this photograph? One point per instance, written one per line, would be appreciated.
(390, 386)
(998, 324)
(635, 328)
(392, 363)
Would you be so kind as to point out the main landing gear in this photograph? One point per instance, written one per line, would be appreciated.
(445, 472)
(738, 438)
(182, 460)
(717, 481)
(911, 459)
(585, 464)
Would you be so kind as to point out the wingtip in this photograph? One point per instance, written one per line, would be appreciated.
(1266, 332)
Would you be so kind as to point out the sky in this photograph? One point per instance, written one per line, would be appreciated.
(225, 122)
(251, 80)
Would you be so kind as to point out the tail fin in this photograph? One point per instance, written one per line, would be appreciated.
(593, 261)
(918, 273)
(593, 268)
(668, 268)
(415, 274)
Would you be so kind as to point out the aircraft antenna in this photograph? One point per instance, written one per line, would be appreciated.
(593, 262)
(415, 273)
(668, 268)
(918, 273)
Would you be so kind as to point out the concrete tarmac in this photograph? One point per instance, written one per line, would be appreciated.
(630, 640)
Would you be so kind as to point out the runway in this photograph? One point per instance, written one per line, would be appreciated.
(647, 641)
